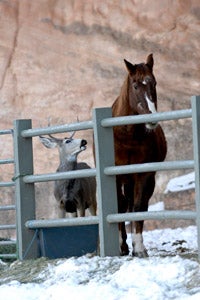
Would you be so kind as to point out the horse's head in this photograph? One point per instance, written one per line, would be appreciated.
(142, 88)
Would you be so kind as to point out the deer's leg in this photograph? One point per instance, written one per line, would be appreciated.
(92, 210)
(81, 212)
(61, 212)
(91, 204)
(73, 215)
(143, 190)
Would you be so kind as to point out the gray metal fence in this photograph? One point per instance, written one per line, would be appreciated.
(5, 208)
(105, 172)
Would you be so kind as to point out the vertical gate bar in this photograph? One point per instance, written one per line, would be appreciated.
(196, 146)
(106, 185)
(24, 193)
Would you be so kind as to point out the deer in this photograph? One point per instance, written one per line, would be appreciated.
(73, 195)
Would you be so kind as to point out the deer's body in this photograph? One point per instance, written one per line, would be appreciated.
(73, 195)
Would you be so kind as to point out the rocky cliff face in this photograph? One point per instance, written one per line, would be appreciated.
(59, 59)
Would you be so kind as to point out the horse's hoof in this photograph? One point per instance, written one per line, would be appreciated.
(124, 250)
(141, 254)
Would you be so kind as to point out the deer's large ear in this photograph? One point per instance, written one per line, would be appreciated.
(48, 142)
(131, 68)
(150, 61)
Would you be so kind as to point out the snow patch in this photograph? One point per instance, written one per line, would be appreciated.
(181, 183)
(119, 278)
(157, 206)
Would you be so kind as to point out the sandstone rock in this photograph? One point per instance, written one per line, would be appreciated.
(60, 59)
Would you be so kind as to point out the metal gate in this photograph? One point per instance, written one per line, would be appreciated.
(105, 173)
(5, 208)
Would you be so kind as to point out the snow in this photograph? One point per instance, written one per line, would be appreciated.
(181, 183)
(170, 272)
(157, 206)
(166, 274)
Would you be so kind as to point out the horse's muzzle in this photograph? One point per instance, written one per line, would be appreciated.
(151, 125)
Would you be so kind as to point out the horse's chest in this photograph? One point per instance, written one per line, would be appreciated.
(133, 154)
(130, 150)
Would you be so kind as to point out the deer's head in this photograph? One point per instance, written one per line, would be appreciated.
(68, 147)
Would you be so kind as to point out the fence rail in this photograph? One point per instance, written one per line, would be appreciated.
(9, 256)
(149, 167)
(156, 117)
(9, 226)
(105, 172)
(6, 131)
(6, 161)
(150, 215)
(33, 224)
(7, 184)
(57, 129)
(6, 243)
(114, 170)
(7, 207)
(60, 176)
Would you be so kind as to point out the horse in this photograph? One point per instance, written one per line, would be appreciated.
(137, 144)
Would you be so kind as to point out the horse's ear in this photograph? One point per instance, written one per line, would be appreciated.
(131, 68)
(150, 61)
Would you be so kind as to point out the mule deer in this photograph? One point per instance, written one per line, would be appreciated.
(74, 195)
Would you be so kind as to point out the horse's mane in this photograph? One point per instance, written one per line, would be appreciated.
(118, 105)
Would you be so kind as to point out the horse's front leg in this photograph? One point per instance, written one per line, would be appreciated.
(122, 239)
(122, 208)
(137, 241)
(144, 187)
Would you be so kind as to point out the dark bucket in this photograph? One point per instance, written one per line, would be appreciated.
(65, 242)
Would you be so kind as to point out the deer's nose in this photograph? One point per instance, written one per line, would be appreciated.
(83, 143)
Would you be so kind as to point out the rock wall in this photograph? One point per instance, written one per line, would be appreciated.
(59, 59)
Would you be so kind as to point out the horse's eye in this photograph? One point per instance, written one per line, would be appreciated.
(135, 85)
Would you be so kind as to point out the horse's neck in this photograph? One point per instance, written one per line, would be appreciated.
(121, 106)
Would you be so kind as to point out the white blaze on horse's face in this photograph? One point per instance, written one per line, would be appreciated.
(151, 107)
(150, 104)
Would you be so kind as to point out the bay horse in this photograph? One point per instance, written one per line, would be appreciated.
(136, 144)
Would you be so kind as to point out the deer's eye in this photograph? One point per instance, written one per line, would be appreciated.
(67, 141)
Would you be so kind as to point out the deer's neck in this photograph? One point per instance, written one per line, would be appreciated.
(68, 164)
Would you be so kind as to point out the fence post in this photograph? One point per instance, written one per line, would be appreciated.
(25, 193)
(196, 146)
(106, 185)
